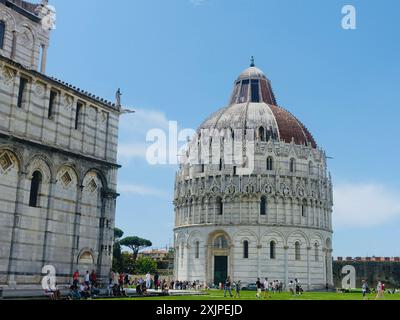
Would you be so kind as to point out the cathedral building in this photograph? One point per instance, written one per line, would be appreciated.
(58, 153)
(265, 213)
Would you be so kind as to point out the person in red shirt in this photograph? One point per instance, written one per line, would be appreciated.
(75, 278)
(93, 277)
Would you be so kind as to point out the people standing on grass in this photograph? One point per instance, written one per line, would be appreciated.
(87, 278)
(121, 280)
(227, 287)
(291, 287)
(156, 283)
(266, 288)
(237, 289)
(297, 284)
(126, 281)
(379, 290)
(111, 277)
(364, 289)
(148, 280)
(280, 286)
(259, 288)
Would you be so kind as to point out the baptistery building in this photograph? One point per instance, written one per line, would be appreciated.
(253, 197)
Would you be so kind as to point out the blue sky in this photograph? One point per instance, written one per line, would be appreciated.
(177, 59)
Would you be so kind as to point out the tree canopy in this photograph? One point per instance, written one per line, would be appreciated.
(118, 233)
(135, 244)
(144, 265)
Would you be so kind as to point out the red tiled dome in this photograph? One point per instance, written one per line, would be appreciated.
(291, 128)
(253, 105)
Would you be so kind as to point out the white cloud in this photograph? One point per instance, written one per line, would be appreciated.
(127, 151)
(364, 205)
(140, 190)
(133, 129)
(142, 121)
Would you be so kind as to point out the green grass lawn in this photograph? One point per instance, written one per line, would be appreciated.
(251, 295)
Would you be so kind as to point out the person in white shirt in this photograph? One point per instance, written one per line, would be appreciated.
(266, 288)
(148, 280)
(87, 278)
(379, 290)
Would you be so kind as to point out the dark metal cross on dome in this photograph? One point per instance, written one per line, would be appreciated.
(252, 62)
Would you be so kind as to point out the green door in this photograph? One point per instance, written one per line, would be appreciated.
(220, 269)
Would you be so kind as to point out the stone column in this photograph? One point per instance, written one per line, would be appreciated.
(308, 269)
(329, 266)
(190, 214)
(240, 209)
(286, 248)
(108, 198)
(325, 266)
(17, 216)
(199, 204)
(284, 204)
(249, 209)
(50, 201)
(44, 59)
(176, 261)
(75, 235)
(14, 45)
(224, 207)
(259, 247)
(187, 261)
(206, 203)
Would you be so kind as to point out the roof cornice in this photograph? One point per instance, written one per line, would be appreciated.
(21, 11)
(66, 86)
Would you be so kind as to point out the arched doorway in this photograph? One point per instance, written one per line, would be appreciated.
(219, 253)
(86, 261)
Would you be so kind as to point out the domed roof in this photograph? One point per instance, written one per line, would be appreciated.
(253, 106)
(252, 72)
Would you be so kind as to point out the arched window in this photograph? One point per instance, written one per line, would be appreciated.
(263, 206)
(270, 164)
(86, 258)
(297, 251)
(197, 250)
(231, 133)
(261, 134)
(328, 243)
(35, 189)
(220, 165)
(219, 206)
(220, 243)
(272, 250)
(292, 165)
(78, 112)
(316, 252)
(2, 33)
(304, 209)
(245, 249)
